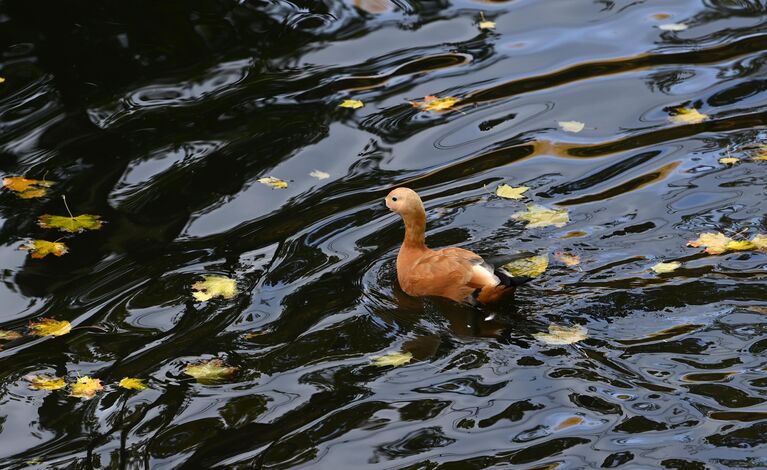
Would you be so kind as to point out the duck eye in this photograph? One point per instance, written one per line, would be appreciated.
(394, 199)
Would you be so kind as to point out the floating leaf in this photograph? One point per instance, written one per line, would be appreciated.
(77, 224)
(27, 188)
(673, 27)
(86, 387)
(41, 248)
(487, 24)
(2, 79)
(661, 16)
(210, 371)
(273, 182)
(392, 359)
(45, 382)
(760, 242)
(509, 192)
(569, 422)
(9, 335)
(663, 268)
(575, 234)
(562, 334)
(539, 216)
(571, 126)
(131, 383)
(214, 286)
(687, 116)
(729, 160)
(432, 103)
(50, 327)
(718, 243)
(320, 175)
(353, 104)
(533, 266)
(568, 259)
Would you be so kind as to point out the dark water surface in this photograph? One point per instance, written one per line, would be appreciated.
(162, 116)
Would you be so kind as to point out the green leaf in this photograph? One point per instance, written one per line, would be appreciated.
(77, 224)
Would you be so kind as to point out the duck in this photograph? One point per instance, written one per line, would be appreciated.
(454, 273)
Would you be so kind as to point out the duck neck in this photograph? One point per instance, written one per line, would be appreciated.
(415, 229)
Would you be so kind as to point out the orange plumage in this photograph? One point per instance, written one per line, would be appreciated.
(455, 273)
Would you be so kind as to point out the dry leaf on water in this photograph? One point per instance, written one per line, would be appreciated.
(50, 327)
(539, 216)
(9, 335)
(562, 334)
(86, 387)
(533, 266)
(45, 382)
(64, 223)
(687, 116)
(673, 27)
(320, 175)
(131, 383)
(432, 103)
(718, 243)
(27, 188)
(571, 126)
(663, 268)
(353, 104)
(214, 286)
(509, 192)
(569, 422)
(729, 160)
(487, 24)
(273, 182)
(41, 248)
(392, 359)
(568, 259)
(213, 370)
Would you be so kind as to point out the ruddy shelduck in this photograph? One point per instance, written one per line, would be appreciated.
(455, 273)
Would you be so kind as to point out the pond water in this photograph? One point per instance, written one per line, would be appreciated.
(161, 117)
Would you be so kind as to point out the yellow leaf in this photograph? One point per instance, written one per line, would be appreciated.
(273, 182)
(50, 327)
(131, 383)
(320, 175)
(663, 268)
(210, 371)
(2, 79)
(392, 359)
(687, 116)
(562, 334)
(569, 422)
(509, 192)
(760, 242)
(214, 286)
(673, 27)
(432, 103)
(760, 158)
(568, 258)
(86, 387)
(571, 126)
(42, 248)
(27, 188)
(77, 224)
(45, 382)
(9, 335)
(740, 245)
(487, 25)
(715, 243)
(539, 216)
(729, 160)
(533, 266)
(353, 104)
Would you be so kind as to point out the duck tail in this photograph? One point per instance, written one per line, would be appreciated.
(511, 281)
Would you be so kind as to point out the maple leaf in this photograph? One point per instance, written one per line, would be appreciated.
(213, 370)
(729, 160)
(320, 175)
(687, 116)
(718, 243)
(273, 182)
(41, 248)
(214, 286)
(533, 266)
(45, 382)
(663, 268)
(50, 327)
(509, 192)
(27, 188)
(353, 104)
(77, 224)
(539, 216)
(131, 383)
(562, 334)
(86, 387)
(432, 103)
(9, 335)
(568, 258)
(392, 359)
(571, 126)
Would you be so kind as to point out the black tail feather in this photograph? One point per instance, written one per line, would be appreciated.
(511, 281)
